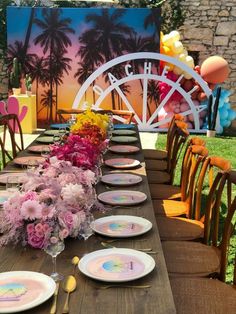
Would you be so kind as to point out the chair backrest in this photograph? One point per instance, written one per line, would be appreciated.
(171, 129)
(193, 166)
(180, 136)
(10, 124)
(64, 114)
(124, 115)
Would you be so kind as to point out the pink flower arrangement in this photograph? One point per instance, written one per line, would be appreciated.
(81, 152)
(55, 196)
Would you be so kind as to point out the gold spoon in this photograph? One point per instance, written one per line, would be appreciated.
(69, 285)
(75, 262)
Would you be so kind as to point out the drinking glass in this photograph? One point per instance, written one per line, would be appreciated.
(85, 227)
(32, 165)
(55, 247)
(13, 184)
(72, 120)
(45, 152)
(110, 126)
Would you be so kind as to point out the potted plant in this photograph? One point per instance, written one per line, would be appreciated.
(28, 84)
(211, 132)
(15, 77)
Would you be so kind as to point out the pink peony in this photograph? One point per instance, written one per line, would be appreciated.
(31, 210)
(67, 219)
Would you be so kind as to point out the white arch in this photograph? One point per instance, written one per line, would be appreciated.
(163, 78)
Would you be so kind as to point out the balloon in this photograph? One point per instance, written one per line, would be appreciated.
(201, 96)
(215, 70)
(177, 47)
(231, 114)
(223, 113)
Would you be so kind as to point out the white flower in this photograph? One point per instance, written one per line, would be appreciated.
(73, 193)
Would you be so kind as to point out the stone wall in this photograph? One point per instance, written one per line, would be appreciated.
(210, 29)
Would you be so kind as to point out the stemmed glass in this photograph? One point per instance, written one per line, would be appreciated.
(55, 247)
(85, 227)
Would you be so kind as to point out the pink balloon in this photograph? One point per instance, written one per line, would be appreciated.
(184, 107)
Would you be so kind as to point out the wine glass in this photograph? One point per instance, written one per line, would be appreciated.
(13, 184)
(72, 120)
(45, 152)
(55, 247)
(32, 165)
(85, 227)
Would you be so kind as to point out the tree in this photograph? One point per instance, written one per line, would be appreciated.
(53, 39)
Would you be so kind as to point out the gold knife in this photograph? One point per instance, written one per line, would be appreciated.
(54, 304)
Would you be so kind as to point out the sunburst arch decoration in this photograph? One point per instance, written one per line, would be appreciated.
(144, 122)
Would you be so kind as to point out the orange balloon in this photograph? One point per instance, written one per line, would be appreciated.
(215, 70)
(201, 96)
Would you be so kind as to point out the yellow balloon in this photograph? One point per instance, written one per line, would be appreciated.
(175, 35)
(177, 47)
(187, 76)
(171, 66)
(189, 61)
(177, 70)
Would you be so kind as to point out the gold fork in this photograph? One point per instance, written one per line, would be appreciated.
(123, 286)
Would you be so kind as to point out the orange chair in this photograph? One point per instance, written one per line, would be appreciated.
(183, 229)
(195, 259)
(167, 191)
(159, 153)
(180, 135)
(195, 167)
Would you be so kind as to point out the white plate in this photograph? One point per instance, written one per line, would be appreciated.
(122, 197)
(121, 226)
(23, 290)
(27, 160)
(122, 163)
(123, 132)
(116, 265)
(124, 149)
(121, 179)
(19, 177)
(124, 139)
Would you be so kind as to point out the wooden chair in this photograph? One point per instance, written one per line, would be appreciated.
(123, 116)
(160, 154)
(205, 295)
(183, 229)
(206, 259)
(64, 114)
(195, 168)
(167, 191)
(180, 136)
(11, 125)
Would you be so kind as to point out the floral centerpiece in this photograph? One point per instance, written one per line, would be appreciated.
(86, 142)
(92, 119)
(56, 196)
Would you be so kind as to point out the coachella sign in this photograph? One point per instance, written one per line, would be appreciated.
(145, 121)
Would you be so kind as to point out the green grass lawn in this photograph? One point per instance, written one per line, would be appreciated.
(218, 146)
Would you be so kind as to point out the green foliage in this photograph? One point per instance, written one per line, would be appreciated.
(15, 74)
(28, 82)
(3, 26)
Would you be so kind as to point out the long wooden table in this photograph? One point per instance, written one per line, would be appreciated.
(88, 298)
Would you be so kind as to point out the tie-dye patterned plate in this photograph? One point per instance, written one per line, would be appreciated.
(122, 197)
(116, 265)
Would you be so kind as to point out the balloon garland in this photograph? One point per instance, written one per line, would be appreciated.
(214, 70)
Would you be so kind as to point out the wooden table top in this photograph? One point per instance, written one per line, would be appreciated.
(88, 298)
